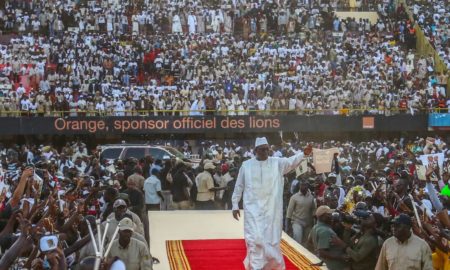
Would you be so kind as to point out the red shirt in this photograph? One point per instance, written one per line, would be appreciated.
(402, 104)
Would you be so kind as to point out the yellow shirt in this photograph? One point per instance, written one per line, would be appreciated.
(344, 111)
(441, 260)
(413, 254)
(204, 183)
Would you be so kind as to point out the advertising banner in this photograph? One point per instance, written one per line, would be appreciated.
(34, 125)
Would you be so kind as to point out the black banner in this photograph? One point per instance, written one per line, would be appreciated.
(208, 124)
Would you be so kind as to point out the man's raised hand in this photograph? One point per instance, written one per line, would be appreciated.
(28, 172)
(308, 150)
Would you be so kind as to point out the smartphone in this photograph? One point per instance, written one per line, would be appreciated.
(48, 243)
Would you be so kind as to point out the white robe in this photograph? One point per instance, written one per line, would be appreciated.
(109, 26)
(262, 183)
(176, 24)
(192, 22)
(135, 27)
(231, 107)
(215, 24)
(195, 109)
(240, 107)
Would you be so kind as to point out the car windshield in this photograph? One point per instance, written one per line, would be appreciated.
(111, 153)
(175, 152)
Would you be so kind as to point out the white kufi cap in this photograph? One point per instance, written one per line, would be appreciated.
(261, 141)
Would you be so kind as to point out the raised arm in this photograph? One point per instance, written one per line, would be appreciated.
(24, 240)
(432, 192)
(288, 164)
(21, 187)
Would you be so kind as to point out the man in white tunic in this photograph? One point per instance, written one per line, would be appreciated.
(176, 24)
(192, 22)
(261, 181)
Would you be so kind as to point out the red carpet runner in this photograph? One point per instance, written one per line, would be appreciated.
(226, 254)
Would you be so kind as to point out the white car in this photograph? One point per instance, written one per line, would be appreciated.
(111, 152)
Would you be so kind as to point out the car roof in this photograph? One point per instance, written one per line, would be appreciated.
(131, 145)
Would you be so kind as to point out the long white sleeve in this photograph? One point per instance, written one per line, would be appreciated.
(288, 164)
(238, 189)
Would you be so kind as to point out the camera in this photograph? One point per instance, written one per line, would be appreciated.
(48, 243)
(361, 214)
(348, 218)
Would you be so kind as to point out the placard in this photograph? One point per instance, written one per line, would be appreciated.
(323, 159)
(302, 168)
(433, 160)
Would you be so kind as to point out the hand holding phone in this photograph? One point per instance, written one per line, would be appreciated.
(48, 243)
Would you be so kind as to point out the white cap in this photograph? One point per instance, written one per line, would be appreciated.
(126, 224)
(261, 141)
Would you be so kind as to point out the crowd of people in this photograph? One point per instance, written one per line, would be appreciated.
(142, 58)
(434, 19)
(49, 191)
(174, 58)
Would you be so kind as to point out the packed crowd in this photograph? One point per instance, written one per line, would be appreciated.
(434, 19)
(164, 58)
(49, 192)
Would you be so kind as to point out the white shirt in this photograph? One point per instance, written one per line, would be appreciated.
(25, 104)
(20, 91)
(261, 104)
(292, 102)
(151, 187)
(100, 107)
(36, 25)
(120, 107)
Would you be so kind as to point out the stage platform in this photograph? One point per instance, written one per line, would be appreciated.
(199, 225)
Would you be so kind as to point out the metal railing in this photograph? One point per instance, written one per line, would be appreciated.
(330, 112)
(424, 47)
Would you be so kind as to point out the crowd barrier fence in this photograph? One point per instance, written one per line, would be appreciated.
(330, 112)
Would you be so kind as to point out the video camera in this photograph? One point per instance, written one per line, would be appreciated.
(359, 213)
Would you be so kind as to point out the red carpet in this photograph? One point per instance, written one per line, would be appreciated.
(226, 254)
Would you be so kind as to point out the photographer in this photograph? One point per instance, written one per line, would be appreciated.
(320, 238)
(362, 248)
(132, 252)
